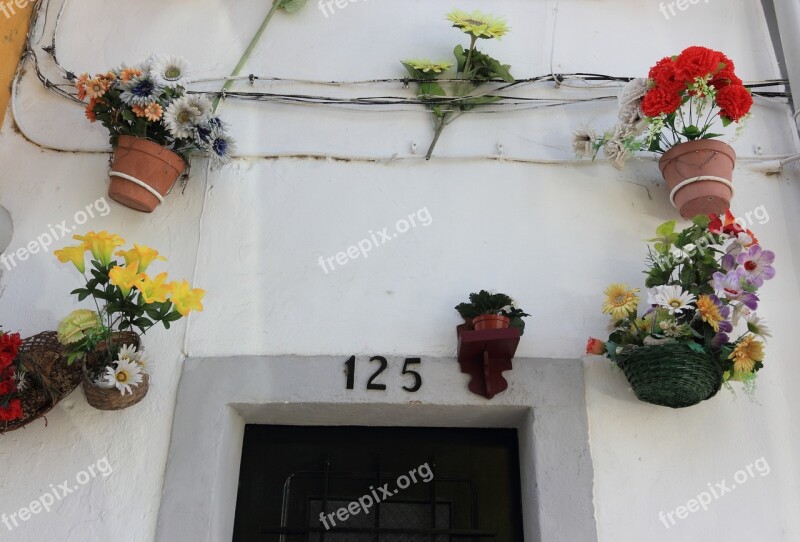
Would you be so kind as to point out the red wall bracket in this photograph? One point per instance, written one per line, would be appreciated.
(484, 355)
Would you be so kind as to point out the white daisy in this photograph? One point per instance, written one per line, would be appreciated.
(124, 375)
(128, 352)
(169, 71)
(202, 104)
(672, 298)
(181, 117)
(757, 326)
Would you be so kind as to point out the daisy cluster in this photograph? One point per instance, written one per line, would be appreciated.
(702, 284)
(149, 100)
(126, 372)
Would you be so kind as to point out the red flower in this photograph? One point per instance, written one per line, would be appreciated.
(728, 225)
(12, 412)
(7, 386)
(696, 62)
(734, 102)
(595, 346)
(10, 342)
(663, 75)
(726, 76)
(660, 100)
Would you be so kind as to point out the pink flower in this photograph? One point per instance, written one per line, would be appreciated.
(757, 264)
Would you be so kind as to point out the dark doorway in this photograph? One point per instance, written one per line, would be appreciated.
(384, 484)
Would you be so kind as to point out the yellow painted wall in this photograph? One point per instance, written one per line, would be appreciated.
(14, 22)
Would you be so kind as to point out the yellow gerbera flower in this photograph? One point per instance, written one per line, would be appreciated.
(154, 290)
(478, 24)
(126, 277)
(101, 244)
(747, 353)
(142, 254)
(620, 301)
(185, 298)
(709, 312)
(428, 66)
(73, 254)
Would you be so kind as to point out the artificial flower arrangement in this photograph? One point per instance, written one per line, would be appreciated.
(126, 299)
(473, 69)
(703, 284)
(12, 377)
(673, 113)
(154, 126)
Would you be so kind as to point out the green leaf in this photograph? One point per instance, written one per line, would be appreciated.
(292, 6)
(709, 136)
(702, 220)
(726, 121)
(431, 89)
(696, 347)
(461, 58)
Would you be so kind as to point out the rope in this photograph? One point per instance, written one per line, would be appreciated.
(143, 184)
(697, 180)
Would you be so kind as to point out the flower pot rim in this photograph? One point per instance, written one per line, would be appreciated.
(696, 145)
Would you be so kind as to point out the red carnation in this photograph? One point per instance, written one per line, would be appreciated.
(10, 342)
(734, 102)
(660, 100)
(7, 386)
(12, 412)
(696, 62)
(726, 76)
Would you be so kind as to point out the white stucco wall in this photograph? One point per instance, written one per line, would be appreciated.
(551, 235)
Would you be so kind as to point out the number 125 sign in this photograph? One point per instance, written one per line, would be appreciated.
(413, 377)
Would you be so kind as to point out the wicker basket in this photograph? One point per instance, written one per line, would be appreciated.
(50, 379)
(671, 375)
(111, 398)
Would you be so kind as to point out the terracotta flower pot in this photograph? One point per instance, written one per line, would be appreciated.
(490, 321)
(142, 173)
(699, 175)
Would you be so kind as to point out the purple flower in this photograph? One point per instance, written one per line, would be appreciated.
(757, 264)
(719, 340)
(732, 287)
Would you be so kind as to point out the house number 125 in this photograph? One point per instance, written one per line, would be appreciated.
(372, 384)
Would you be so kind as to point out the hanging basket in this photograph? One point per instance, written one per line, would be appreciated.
(671, 375)
(699, 175)
(49, 379)
(142, 173)
(111, 398)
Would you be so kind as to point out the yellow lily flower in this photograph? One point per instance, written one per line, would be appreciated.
(101, 244)
(75, 254)
(185, 298)
(142, 254)
(126, 277)
(154, 290)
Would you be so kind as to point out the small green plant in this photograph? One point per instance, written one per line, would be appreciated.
(485, 303)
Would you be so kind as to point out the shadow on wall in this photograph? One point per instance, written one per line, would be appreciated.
(6, 231)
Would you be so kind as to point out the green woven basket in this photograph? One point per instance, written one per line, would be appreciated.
(671, 375)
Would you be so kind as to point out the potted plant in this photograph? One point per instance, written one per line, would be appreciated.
(700, 328)
(679, 107)
(154, 126)
(127, 300)
(473, 69)
(492, 311)
(33, 378)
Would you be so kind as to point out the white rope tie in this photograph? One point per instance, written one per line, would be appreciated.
(697, 180)
(143, 184)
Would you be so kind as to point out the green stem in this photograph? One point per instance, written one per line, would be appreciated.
(440, 124)
(246, 56)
